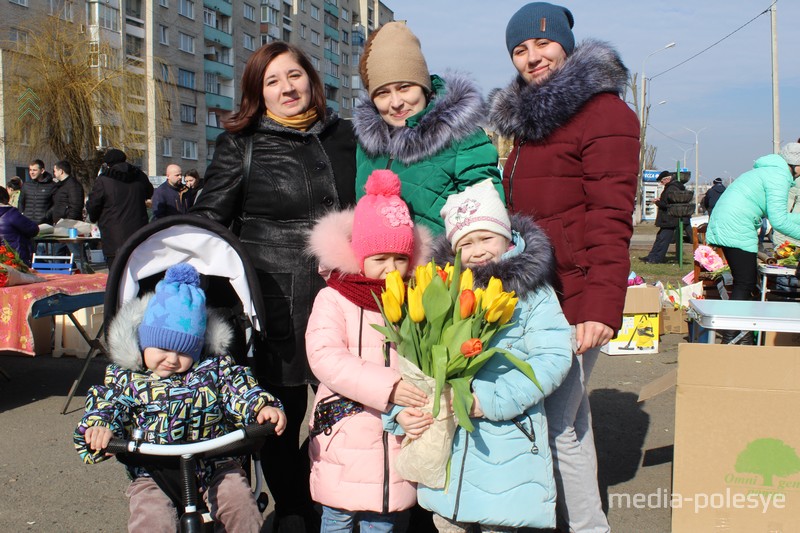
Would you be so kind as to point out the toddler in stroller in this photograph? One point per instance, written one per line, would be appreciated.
(172, 380)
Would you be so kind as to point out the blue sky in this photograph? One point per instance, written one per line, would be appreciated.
(727, 90)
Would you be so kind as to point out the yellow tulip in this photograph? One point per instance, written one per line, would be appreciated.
(466, 280)
(509, 310)
(423, 276)
(497, 307)
(448, 268)
(391, 307)
(415, 309)
(395, 285)
(478, 298)
(493, 290)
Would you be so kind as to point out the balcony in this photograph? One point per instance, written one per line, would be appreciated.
(333, 104)
(331, 81)
(331, 32)
(332, 9)
(215, 67)
(226, 8)
(333, 58)
(218, 36)
(212, 133)
(217, 101)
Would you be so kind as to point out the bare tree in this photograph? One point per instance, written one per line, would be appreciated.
(75, 96)
(647, 152)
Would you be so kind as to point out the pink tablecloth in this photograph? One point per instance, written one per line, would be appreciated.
(16, 303)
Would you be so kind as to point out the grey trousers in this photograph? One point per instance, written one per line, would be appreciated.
(230, 501)
(445, 525)
(569, 419)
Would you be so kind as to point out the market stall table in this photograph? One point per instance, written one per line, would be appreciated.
(766, 271)
(745, 315)
(50, 241)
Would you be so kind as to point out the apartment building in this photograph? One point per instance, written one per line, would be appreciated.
(192, 55)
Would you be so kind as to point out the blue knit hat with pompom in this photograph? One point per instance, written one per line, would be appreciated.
(175, 319)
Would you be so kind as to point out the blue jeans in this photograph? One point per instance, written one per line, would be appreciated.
(340, 521)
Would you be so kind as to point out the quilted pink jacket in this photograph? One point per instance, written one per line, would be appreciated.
(352, 467)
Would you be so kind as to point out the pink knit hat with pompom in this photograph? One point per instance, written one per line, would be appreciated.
(382, 223)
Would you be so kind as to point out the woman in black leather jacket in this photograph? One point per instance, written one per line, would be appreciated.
(301, 160)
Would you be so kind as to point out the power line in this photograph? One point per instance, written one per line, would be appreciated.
(667, 136)
(716, 43)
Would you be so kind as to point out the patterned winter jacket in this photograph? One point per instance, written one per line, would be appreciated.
(212, 398)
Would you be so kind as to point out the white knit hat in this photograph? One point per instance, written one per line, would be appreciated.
(791, 153)
(478, 207)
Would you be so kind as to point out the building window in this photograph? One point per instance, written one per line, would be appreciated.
(346, 103)
(166, 147)
(189, 149)
(107, 17)
(315, 62)
(20, 38)
(345, 37)
(331, 69)
(185, 78)
(287, 35)
(188, 114)
(303, 29)
(213, 85)
(345, 59)
(163, 34)
(314, 37)
(163, 3)
(209, 17)
(249, 12)
(210, 147)
(20, 2)
(314, 12)
(186, 42)
(249, 41)
(265, 39)
(133, 8)
(186, 8)
(133, 46)
(213, 120)
(303, 6)
(331, 45)
(62, 9)
(269, 14)
(345, 81)
(165, 72)
(344, 15)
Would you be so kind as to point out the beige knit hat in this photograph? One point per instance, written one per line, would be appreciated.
(393, 55)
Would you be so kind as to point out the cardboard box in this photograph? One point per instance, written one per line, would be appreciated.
(781, 338)
(68, 340)
(737, 445)
(639, 331)
(674, 320)
(42, 330)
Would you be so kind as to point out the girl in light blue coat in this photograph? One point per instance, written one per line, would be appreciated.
(501, 474)
(734, 224)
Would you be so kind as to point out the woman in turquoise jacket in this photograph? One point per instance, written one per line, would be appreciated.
(501, 474)
(424, 127)
(734, 224)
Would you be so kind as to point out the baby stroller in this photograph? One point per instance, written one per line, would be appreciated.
(230, 282)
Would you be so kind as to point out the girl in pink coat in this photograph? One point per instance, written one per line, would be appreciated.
(352, 457)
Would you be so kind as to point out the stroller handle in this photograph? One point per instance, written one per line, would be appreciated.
(217, 446)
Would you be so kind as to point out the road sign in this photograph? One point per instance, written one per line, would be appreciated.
(650, 175)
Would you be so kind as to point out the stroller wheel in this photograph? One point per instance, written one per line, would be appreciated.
(262, 501)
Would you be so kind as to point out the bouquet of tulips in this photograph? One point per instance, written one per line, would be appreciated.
(13, 271)
(787, 254)
(441, 326)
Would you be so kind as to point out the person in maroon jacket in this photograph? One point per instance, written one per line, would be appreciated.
(574, 168)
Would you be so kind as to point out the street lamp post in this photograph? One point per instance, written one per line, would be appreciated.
(643, 130)
(696, 164)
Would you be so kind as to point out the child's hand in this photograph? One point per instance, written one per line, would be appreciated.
(274, 415)
(407, 395)
(414, 422)
(475, 411)
(98, 437)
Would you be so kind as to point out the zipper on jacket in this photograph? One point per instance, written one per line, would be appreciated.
(510, 199)
(385, 441)
(529, 434)
(461, 477)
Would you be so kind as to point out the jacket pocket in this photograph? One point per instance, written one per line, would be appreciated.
(564, 251)
(277, 291)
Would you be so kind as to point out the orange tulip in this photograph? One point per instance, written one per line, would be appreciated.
(442, 274)
(467, 302)
(471, 347)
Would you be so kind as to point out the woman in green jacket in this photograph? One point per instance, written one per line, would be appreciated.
(426, 128)
(736, 219)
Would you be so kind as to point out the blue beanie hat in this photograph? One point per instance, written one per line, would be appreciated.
(540, 20)
(175, 318)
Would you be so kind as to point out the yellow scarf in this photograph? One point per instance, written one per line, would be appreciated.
(301, 122)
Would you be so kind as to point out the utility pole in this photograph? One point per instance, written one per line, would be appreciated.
(776, 118)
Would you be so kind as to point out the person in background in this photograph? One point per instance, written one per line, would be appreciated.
(667, 223)
(712, 195)
(117, 201)
(573, 168)
(16, 229)
(424, 127)
(14, 186)
(301, 166)
(36, 197)
(736, 220)
(168, 197)
(194, 184)
(67, 203)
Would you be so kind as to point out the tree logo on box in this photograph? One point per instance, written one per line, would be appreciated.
(768, 458)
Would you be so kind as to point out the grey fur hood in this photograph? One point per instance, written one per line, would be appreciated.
(455, 111)
(523, 273)
(123, 335)
(532, 112)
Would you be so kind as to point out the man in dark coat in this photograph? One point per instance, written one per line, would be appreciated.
(117, 201)
(67, 194)
(713, 194)
(667, 223)
(167, 199)
(36, 196)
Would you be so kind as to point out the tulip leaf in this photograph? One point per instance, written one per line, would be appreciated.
(455, 335)
(390, 333)
(439, 371)
(455, 285)
(436, 301)
(462, 402)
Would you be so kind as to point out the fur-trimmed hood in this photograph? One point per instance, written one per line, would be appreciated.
(532, 112)
(329, 242)
(123, 334)
(455, 111)
(523, 272)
